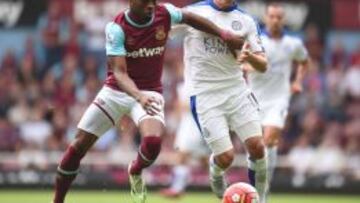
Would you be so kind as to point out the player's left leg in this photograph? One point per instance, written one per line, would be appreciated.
(273, 122)
(257, 165)
(180, 172)
(188, 143)
(272, 137)
(151, 129)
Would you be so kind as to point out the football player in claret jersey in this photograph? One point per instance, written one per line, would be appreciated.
(219, 97)
(273, 88)
(135, 46)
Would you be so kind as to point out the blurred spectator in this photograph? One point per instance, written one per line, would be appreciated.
(301, 151)
(338, 56)
(95, 29)
(69, 67)
(9, 136)
(72, 46)
(48, 88)
(27, 72)
(92, 67)
(87, 93)
(352, 149)
(53, 27)
(19, 112)
(351, 80)
(329, 158)
(313, 42)
(8, 61)
(8, 78)
(60, 124)
(355, 56)
(36, 130)
(65, 93)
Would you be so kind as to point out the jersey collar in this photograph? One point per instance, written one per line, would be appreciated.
(128, 19)
(231, 8)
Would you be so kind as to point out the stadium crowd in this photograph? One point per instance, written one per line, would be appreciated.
(43, 93)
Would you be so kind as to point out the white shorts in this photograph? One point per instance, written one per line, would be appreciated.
(274, 113)
(110, 105)
(188, 137)
(218, 112)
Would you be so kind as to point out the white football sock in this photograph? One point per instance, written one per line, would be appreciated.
(258, 177)
(181, 176)
(272, 161)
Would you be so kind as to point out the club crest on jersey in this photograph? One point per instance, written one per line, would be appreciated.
(160, 33)
(236, 25)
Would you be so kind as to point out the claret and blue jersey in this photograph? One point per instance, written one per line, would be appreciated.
(142, 45)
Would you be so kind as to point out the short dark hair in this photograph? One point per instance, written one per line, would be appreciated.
(273, 4)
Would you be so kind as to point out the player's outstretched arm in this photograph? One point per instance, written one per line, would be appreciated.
(202, 24)
(301, 69)
(118, 65)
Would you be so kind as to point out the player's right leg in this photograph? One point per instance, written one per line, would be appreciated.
(272, 137)
(93, 124)
(69, 165)
(99, 117)
(218, 164)
(216, 133)
(210, 118)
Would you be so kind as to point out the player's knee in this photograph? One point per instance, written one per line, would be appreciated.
(183, 158)
(83, 142)
(256, 148)
(76, 151)
(225, 159)
(271, 138)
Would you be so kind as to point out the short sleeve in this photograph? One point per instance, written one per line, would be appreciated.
(253, 37)
(115, 40)
(175, 13)
(300, 53)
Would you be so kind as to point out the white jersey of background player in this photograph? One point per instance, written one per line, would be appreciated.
(220, 98)
(273, 88)
(188, 143)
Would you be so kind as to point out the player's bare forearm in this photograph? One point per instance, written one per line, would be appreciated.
(257, 61)
(302, 68)
(201, 24)
(296, 86)
(118, 65)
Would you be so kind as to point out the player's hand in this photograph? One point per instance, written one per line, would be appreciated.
(296, 87)
(234, 42)
(244, 55)
(150, 104)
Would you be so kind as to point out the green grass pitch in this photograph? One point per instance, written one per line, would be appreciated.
(37, 196)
